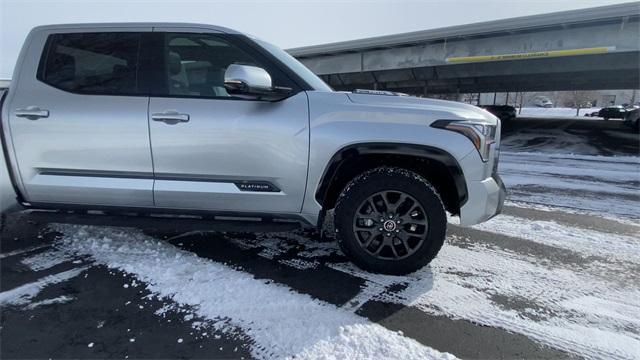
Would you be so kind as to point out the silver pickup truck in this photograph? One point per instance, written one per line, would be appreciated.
(187, 118)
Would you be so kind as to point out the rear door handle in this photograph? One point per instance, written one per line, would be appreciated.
(32, 113)
(170, 117)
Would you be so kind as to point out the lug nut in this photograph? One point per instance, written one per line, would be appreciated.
(397, 231)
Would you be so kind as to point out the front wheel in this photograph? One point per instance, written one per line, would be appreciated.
(390, 220)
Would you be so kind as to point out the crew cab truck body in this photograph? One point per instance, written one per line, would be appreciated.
(186, 118)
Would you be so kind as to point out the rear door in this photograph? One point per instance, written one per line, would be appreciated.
(215, 152)
(79, 123)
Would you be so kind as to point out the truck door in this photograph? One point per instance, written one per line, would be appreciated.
(215, 152)
(77, 119)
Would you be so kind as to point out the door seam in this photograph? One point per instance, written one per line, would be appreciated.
(153, 167)
(306, 183)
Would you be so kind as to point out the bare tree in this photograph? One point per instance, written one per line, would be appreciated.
(579, 99)
(525, 98)
(522, 98)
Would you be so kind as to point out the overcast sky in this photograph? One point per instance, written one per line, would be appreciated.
(284, 23)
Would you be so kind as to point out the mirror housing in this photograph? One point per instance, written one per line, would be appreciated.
(252, 83)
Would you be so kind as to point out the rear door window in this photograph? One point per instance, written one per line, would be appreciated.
(104, 63)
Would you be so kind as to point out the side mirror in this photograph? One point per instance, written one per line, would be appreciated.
(251, 82)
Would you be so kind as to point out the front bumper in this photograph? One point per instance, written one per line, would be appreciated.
(486, 199)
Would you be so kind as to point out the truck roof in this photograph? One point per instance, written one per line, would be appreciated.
(54, 27)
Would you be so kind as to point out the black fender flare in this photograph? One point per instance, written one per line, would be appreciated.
(380, 148)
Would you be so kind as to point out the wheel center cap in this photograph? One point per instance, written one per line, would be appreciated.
(389, 225)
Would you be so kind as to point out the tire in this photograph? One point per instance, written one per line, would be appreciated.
(420, 215)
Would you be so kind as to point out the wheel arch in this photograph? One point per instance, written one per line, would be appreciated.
(439, 167)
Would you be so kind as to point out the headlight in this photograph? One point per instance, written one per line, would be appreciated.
(481, 134)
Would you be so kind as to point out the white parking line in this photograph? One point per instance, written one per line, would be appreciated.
(23, 251)
(22, 294)
(583, 241)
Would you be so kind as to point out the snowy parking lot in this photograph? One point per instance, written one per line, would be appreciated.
(557, 275)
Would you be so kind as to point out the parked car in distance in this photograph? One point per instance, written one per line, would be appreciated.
(632, 118)
(198, 119)
(543, 101)
(504, 112)
(612, 112)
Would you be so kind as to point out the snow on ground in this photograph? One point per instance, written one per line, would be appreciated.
(598, 184)
(535, 297)
(554, 140)
(528, 296)
(23, 251)
(582, 241)
(23, 294)
(589, 309)
(557, 112)
(46, 260)
(542, 299)
(280, 322)
(57, 300)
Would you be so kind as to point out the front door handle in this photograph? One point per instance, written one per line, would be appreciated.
(32, 113)
(170, 117)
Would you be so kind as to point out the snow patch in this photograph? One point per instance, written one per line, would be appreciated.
(57, 300)
(22, 294)
(597, 184)
(557, 304)
(558, 112)
(46, 260)
(497, 288)
(23, 251)
(587, 242)
(281, 323)
(550, 208)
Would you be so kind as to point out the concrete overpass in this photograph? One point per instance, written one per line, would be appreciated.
(587, 49)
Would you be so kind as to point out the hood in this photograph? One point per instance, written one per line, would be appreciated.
(454, 110)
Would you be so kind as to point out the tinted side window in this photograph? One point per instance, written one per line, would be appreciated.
(92, 63)
(195, 64)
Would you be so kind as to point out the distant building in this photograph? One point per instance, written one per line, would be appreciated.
(618, 97)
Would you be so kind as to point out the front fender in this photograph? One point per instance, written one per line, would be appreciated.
(337, 123)
(415, 151)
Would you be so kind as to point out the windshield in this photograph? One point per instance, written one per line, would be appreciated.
(312, 79)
